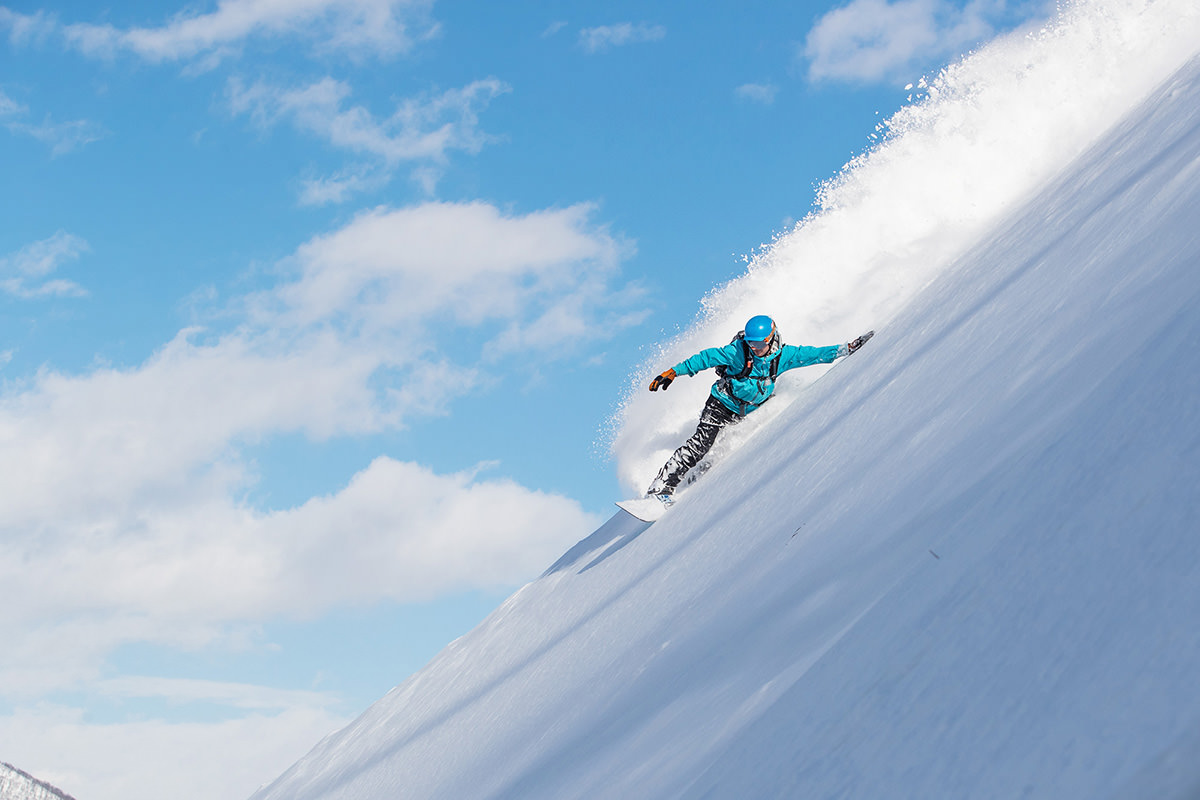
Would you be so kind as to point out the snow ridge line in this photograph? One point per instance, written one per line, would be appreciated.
(16, 784)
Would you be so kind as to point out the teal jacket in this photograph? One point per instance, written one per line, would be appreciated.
(743, 395)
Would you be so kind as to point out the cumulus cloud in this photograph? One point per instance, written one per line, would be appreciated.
(26, 273)
(181, 573)
(355, 27)
(879, 40)
(187, 574)
(125, 519)
(353, 302)
(606, 37)
(391, 268)
(112, 442)
(350, 303)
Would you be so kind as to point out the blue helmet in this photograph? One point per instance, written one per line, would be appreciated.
(760, 328)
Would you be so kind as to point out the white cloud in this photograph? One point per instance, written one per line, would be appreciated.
(123, 519)
(605, 37)
(24, 273)
(8, 106)
(340, 187)
(24, 28)
(874, 40)
(103, 445)
(359, 300)
(353, 27)
(393, 267)
(180, 572)
(757, 92)
(62, 137)
(407, 533)
(423, 129)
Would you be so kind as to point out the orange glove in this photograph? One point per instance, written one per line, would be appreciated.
(662, 381)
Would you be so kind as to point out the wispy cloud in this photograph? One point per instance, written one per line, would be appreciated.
(553, 28)
(757, 92)
(419, 128)
(880, 40)
(25, 28)
(8, 106)
(356, 28)
(422, 129)
(606, 37)
(26, 273)
(61, 137)
(345, 184)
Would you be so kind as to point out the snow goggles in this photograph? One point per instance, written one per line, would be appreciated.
(760, 347)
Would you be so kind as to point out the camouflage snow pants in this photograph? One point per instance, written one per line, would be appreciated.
(713, 418)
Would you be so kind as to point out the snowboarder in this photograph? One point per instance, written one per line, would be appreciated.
(747, 369)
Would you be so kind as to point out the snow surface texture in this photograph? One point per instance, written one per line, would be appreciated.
(965, 563)
(18, 785)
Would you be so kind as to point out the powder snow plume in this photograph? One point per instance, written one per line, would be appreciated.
(977, 140)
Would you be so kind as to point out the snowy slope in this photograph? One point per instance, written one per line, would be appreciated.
(18, 785)
(964, 563)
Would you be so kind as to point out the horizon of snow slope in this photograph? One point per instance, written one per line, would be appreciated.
(962, 564)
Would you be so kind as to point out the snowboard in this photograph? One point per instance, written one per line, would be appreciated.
(650, 509)
(647, 509)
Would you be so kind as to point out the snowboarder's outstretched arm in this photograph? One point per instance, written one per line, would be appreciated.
(705, 359)
(730, 356)
(794, 356)
(790, 357)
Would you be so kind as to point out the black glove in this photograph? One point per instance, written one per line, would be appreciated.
(860, 341)
(662, 381)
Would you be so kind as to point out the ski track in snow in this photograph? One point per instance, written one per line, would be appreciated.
(964, 564)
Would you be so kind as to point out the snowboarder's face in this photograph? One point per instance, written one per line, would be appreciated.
(760, 348)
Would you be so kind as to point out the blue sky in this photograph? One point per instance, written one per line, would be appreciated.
(316, 314)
